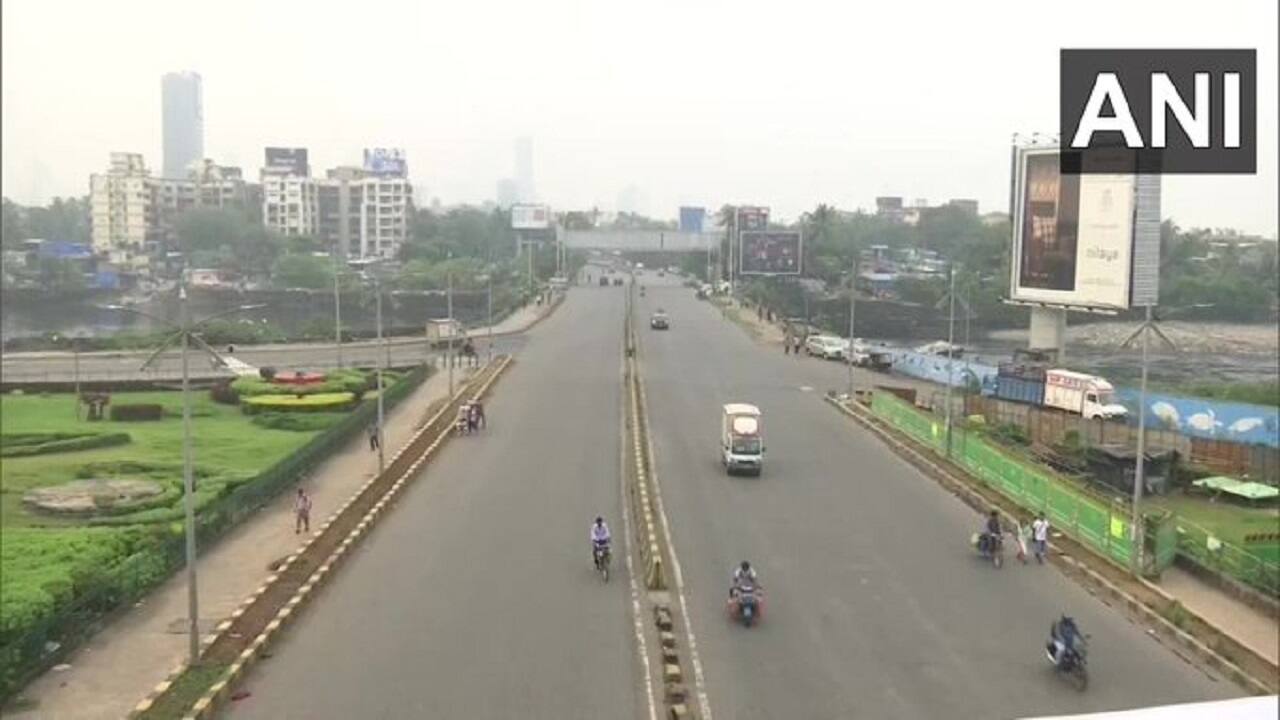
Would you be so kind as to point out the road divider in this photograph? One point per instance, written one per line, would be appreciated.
(1196, 640)
(238, 642)
(653, 535)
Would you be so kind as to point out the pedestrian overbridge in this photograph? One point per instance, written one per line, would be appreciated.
(639, 240)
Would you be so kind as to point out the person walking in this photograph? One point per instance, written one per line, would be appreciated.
(301, 512)
(374, 440)
(1040, 537)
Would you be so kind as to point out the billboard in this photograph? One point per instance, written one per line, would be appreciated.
(292, 160)
(691, 219)
(769, 252)
(530, 217)
(385, 162)
(1074, 235)
(752, 218)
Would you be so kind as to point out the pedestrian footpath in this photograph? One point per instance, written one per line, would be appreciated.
(108, 675)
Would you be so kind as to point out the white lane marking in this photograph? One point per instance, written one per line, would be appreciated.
(699, 680)
(637, 617)
(806, 388)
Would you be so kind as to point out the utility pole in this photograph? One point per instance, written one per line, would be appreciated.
(337, 314)
(75, 359)
(853, 293)
(1139, 470)
(490, 278)
(449, 302)
(377, 289)
(188, 484)
(951, 355)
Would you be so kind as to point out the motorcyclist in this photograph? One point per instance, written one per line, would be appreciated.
(1062, 637)
(600, 537)
(993, 530)
(744, 576)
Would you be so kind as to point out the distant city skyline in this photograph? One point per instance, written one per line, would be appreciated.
(816, 120)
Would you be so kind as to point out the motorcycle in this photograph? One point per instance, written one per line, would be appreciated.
(1073, 662)
(990, 546)
(746, 605)
(602, 556)
(462, 424)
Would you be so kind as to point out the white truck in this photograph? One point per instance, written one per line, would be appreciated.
(741, 439)
(1079, 394)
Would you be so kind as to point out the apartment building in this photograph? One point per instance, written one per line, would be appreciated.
(385, 209)
(123, 211)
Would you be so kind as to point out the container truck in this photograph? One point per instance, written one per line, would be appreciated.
(1077, 393)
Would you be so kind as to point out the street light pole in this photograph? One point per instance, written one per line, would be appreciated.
(490, 279)
(1139, 472)
(337, 314)
(853, 293)
(449, 303)
(951, 355)
(377, 289)
(188, 484)
(187, 329)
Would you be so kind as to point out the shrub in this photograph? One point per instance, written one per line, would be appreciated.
(64, 443)
(297, 422)
(316, 402)
(222, 393)
(350, 381)
(137, 412)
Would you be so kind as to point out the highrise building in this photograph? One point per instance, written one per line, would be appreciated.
(508, 193)
(183, 121)
(289, 194)
(524, 170)
(122, 207)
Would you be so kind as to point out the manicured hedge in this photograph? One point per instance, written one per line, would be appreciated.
(140, 411)
(61, 443)
(351, 381)
(319, 402)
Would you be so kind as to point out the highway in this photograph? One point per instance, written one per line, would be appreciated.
(877, 606)
(475, 597)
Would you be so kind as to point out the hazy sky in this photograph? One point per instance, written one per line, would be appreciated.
(786, 104)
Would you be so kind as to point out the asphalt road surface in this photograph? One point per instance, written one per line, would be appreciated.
(876, 605)
(475, 597)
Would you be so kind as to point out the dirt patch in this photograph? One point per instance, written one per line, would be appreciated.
(92, 495)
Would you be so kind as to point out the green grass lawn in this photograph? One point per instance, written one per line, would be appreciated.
(47, 560)
(1228, 519)
(227, 446)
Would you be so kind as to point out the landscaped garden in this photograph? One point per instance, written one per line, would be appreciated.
(91, 510)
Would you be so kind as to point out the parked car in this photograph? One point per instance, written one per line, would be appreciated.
(659, 321)
(828, 347)
(617, 281)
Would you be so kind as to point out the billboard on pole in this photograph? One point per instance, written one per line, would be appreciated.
(769, 252)
(290, 160)
(530, 217)
(1074, 235)
(752, 218)
(691, 219)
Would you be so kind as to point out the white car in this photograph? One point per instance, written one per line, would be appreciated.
(828, 347)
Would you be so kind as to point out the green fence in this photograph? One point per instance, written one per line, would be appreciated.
(1097, 522)
(162, 550)
(1101, 526)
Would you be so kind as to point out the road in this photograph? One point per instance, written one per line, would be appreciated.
(877, 606)
(124, 365)
(476, 597)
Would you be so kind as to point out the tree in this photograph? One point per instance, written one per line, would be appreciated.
(228, 236)
(302, 271)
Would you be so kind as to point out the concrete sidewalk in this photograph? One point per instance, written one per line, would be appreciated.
(1247, 625)
(118, 666)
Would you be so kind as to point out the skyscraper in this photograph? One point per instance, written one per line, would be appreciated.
(183, 110)
(524, 169)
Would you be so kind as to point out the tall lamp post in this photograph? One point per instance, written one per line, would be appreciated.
(186, 332)
(337, 312)
(853, 294)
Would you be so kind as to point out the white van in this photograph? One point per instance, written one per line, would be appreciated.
(741, 439)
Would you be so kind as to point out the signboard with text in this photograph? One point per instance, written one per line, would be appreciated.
(769, 252)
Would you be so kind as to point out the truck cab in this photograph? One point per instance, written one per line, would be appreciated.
(1080, 394)
(741, 439)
